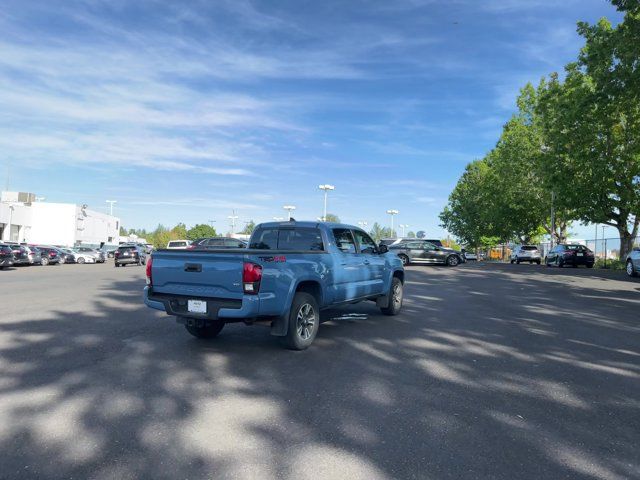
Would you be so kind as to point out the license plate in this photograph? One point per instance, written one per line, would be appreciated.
(197, 306)
(580, 254)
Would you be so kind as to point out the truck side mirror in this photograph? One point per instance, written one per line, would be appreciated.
(383, 249)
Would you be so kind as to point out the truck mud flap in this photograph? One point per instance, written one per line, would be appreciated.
(383, 301)
(280, 326)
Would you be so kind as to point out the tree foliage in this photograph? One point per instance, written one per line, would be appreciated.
(378, 232)
(332, 217)
(200, 230)
(578, 138)
(249, 228)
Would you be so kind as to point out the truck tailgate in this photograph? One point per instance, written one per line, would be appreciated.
(198, 274)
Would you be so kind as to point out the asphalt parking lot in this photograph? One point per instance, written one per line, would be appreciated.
(491, 371)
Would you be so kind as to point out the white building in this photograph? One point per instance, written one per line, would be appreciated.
(22, 219)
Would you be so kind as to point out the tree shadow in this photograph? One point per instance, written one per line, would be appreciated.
(486, 373)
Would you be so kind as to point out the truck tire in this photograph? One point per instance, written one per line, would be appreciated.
(212, 329)
(396, 293)
(304, 321)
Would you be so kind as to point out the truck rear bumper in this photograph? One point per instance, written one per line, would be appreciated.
(247, 307)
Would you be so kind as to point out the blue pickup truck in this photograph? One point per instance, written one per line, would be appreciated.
(290, 272)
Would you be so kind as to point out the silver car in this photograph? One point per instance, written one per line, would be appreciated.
(633, 262)
(526, 253)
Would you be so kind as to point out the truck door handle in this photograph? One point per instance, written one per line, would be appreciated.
(367, 262)
(192, 267)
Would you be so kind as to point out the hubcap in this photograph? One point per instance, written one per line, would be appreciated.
(404, 260)
(629, 268)
(453, 261)
(305, 321)
(397, 296)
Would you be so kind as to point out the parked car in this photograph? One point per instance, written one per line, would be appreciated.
(100, 256)
(423, 251)
(526, 253)
(217, 242)
(20, 254)
(6, 256)
(127, 254)
(570, 254)
(83, 257)
(66, 255)
(290, 272)
(49, 255)
(633, 262)
(34, 255)
(469, 256)
(178, 244)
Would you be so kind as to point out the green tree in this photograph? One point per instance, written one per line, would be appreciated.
(331, 217)
(378, 232)
(249, 228)
(467, 213)
(200, 230)
(591, 122)
(179, 232)
(411, 234)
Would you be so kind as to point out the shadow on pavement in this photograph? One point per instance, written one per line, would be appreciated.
(487, 373)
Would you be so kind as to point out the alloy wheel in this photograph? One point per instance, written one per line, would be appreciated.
(305, 321)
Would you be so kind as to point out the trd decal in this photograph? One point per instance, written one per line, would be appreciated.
(280, 258)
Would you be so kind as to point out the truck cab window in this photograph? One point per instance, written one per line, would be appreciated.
(344, 240)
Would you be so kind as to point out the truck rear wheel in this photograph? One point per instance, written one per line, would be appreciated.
(396, 294)
(210, 330)
(304, 321)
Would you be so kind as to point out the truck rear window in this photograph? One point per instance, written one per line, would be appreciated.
(305, 239)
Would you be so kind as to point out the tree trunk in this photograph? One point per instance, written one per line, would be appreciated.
(626, 242)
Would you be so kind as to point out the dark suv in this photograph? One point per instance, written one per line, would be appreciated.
(423, 251)
(127, 254)
(50, 255)
(217, 242)
(6, 256)
(570, 254)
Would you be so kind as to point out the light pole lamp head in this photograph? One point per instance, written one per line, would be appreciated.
(326, 187)
(289, 207)
(393, 212)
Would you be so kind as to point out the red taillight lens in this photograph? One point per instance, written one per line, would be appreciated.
(251, 277)
(149, 277)
(116, 254)
(569, 253)
(52, 254)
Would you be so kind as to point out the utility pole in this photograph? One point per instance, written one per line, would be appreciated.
(326, 188)
(233, 219)
(553, 218)
(392, 213)
(211, 222)
(111, 202)
(289, 209)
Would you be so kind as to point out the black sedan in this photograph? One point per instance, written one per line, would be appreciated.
(570, 254)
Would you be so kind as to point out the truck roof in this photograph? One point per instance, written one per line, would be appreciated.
(306, 224)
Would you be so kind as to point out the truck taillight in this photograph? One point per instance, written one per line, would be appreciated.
(251, 277)
(149, 277)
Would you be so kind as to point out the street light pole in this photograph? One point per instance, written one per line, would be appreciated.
(392, 213)
(233, 219)
(553, 217)
(403, 226)
(326, 189)
(289, 209)
(111, 202)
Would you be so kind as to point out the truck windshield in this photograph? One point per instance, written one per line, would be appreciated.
(305, 239)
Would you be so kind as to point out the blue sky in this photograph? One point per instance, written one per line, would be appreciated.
(182, 111)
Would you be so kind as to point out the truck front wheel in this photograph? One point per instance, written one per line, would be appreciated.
(210, 330)
(395, 298)
(304, 320)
